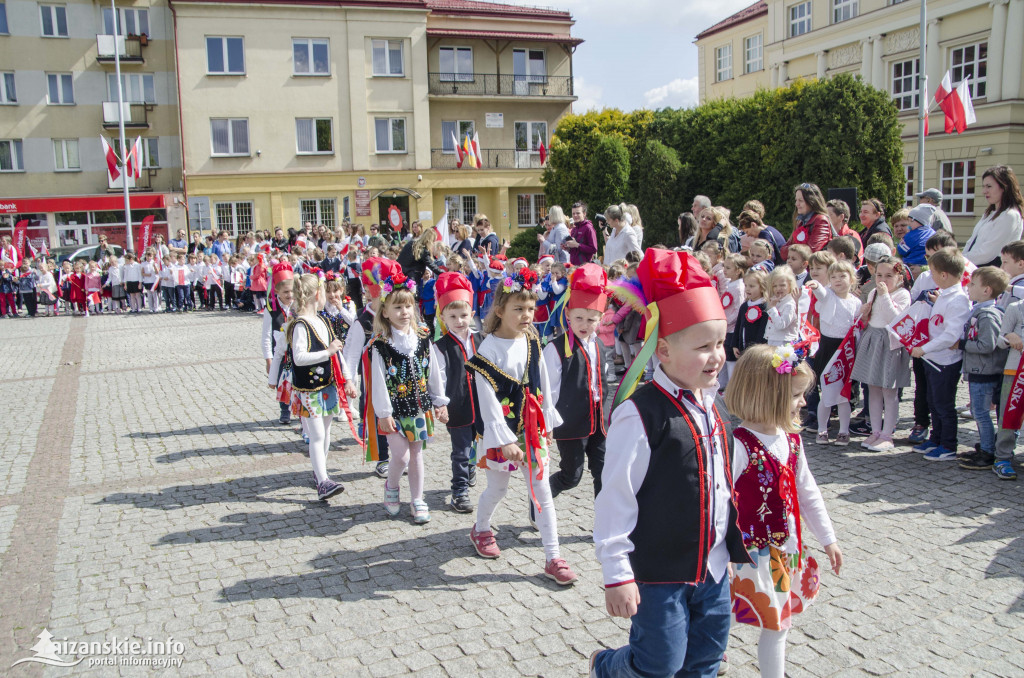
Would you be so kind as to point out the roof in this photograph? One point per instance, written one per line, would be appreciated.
(745, 14)
(475, 7)
(398, 4)
(502, 35)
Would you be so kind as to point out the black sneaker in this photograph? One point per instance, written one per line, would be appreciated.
(861, 428)
(472, 476)
(328, 488)
(460, 503)
(977, 460)
(811, 424)
(284, 421)
(382, 469)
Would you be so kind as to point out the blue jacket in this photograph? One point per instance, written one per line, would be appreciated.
(911, 248)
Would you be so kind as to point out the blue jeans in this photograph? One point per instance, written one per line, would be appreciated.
(169, 299)
(678, 630)
(982, 395)
(462, 446)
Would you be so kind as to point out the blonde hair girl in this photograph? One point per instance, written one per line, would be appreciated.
(783, 318)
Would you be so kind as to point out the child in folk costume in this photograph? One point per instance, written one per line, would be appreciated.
(404, 391)
(577, 377)
(545, 297)
(456, 345)
(151, 280)
(318, 375)
(76, 282)
(274, 342)
(882, 362)
(669, 445)
(517, 409)
(774, 492)
(783, 315)
(339, 310)
(93, 286)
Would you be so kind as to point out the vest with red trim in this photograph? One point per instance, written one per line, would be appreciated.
(463, 409)
(766, 491)
(674, 525)
(582, 416)
(511, 393)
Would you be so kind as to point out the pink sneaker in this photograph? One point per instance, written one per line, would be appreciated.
(870, 440)
(560, 571)
(484, 543)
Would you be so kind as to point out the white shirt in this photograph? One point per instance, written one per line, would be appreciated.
(149, 272)
(131, 272)
(886, 308)
(620, 243)
(442, 362)
(114, 275)
(354, 347)
(950, 312)
(736, 289)
(267, 337)
(991, 234)
(836, 315)
(782, 327)
(405, 343)
(553, 358)
(626, 462)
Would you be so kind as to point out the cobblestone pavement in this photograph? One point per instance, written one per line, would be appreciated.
(147, 491)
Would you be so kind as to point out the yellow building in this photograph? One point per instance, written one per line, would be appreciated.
(331, 111)
(58, 95)
(773, 43)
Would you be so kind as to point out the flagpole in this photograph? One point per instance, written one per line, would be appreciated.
(922, 113)
(120, 126)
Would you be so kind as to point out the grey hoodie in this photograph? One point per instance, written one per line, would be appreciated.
(982, 355)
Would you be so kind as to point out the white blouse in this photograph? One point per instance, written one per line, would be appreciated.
(836, 315)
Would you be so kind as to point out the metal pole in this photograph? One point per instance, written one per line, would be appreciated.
(120, 127)
(922, 112)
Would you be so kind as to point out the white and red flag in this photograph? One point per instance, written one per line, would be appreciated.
(836, 380)
(911, 328)
(111, 158)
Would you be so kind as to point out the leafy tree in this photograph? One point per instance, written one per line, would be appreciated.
(525, 244)
(607, 173)
(656, 169)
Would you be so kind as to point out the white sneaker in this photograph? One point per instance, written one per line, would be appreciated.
(391, 500)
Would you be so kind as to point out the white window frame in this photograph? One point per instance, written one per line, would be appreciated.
(8, 89)
(237, 212)
(151, 152)
(55, 12)
(533, 206)
(321, 206)
(461, 207)
(844, 10)
(455, 75)
(390, 146)
(532, 136)
(753, 64)
(63, 82)
(224, 54)
(800, 20)
(137, 15)
(314, 122)
(64, 150)
(960, 72)
(529, 75)
(905, 88)
(958, 188)
(309, 44)
(232, 152)
(131, 84)
(461, 128)
(909, 194)
(16, 151)
(388, 45)
(723, 62)
(5, 28)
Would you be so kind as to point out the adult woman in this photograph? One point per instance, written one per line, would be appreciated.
(463, 243)
(753, 229)
(416, 256)
(635, 222)
(358, 237)
(687, 228)
(811, 226)
(556, 232)
(619, 238)
(1001, 224)
(714, 225)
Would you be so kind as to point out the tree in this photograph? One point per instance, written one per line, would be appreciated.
(607, 173)
(525, 244)
(656, 168)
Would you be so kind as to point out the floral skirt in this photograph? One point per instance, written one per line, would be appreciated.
(323, 403)
(767, 593)
(416, 429)
(494, 460)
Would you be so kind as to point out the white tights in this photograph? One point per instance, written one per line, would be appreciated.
(402, 454)
(844, 416)
(319, 431)
(887, 398)
(153, 299)
(497, 486)
(135, 301)
(771, 653)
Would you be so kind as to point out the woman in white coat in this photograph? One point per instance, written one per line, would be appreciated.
(1001, 224)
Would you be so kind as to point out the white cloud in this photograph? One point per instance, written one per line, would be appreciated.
(589, 96)
(680, 93)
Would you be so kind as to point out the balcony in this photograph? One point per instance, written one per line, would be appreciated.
(130, 48)
(493, 158)
(136, 115)
(143, 183)
(491, 84)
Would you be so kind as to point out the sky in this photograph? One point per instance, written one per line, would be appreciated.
(638, 53)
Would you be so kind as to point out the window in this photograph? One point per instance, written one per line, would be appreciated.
(318, 211)
(799, 19)
(457, 129)
(8, 95)
(723, 63)
(230, 136)
(11, 158)
(908, 186)
(314, 135)
(971, 62)
(55, 20)
(387, 58)
(233, 217)
(531, 207)
(3, 18)
(905, 85)
(529, 64)
(311, 56)
(753, 54)
(225, 56)
(59, 89)
(135, 87)
(390, 135)
(843, 10)
(65, 155)
(529, 135)
(456, 64)
(150, 152)
(461, 207)
(958, 187)
(130, 21)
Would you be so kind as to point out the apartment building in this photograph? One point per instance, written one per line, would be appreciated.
(58, 95)
(325, 111)
(773, 43)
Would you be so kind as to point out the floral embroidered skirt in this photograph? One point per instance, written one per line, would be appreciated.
(418, 428)
(494, 460)
(323, 403)
(767, 593)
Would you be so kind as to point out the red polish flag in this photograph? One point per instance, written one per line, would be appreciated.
(1013, 416)
(543, 153)
(458, 149)
(836, 380)
(964, 108)
(111, 158)
(942, 98)
(911, 328)
(476, 151)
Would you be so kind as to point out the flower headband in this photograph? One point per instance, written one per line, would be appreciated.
(786, 358)
(522, 280)
(387, 286)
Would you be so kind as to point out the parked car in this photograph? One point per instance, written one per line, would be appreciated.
(87, 253)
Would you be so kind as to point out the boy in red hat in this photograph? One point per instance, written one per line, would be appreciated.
(665, 523)
(577, 375)
(454, 348)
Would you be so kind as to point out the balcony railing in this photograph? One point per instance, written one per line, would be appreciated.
(136, 115)
(491, 84)
(493, 158)
(130, 48)
(141, 183)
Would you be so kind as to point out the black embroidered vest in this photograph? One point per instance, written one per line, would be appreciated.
(315, 377)
(582, 416)
(511, 393)
(337, 323)
(463, 409)
(405, 376)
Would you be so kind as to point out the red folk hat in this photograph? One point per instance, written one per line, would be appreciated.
(376, 270)
(281, 273)
(497, 264)
(587, 288)
(452, 286)
(683, 291)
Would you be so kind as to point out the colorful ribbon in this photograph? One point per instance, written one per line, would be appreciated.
(339, 383)
(635, 373)
(534, 430)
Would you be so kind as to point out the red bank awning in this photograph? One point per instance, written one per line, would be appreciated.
(80, 203)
